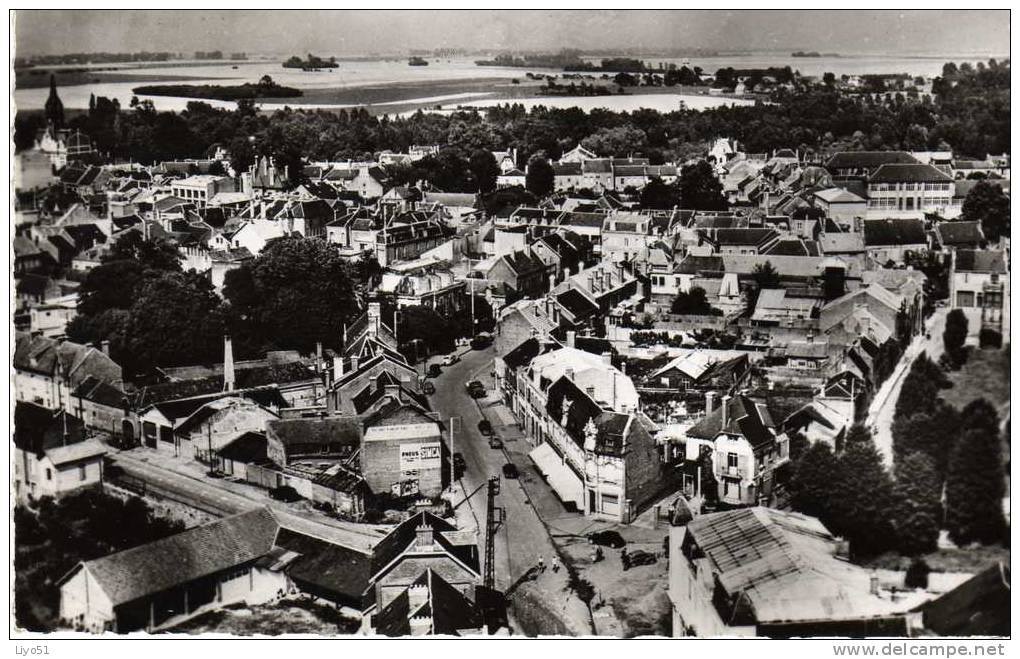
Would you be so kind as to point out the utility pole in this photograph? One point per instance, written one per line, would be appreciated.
(494, 518)
(453, 464)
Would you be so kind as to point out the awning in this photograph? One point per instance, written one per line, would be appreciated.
(564, 481)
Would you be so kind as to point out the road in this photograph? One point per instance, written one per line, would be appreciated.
(523, 538)
(882, 410)
(215, 498)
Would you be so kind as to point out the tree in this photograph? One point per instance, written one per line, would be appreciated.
(427, 325)
(811, 484)
(485, 169)
(986, 203)
(619, 141)
(918, 500)
(157, 253)
(540, 177)
(700, 189)
(511, 197)
(974, 489)
(829, 78)
(955, 334)
(175, 319)
(294, 279)
(862, 500)
(658, 195)
(693, 303)
(858, 433)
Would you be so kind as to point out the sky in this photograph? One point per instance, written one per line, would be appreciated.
(347, 33)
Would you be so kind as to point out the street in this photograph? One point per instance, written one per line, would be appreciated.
(523, 538)
(882, 410)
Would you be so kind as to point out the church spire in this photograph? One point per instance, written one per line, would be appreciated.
(54, 106)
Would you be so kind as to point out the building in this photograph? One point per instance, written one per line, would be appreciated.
(46, 371)
(959, 235)
(322, 440)
(402, 447)
(893, 239)
(425, 282)
(253, 558)
(910, 190)
(840, 204)
(199, 189)
(861, 164)
(979, 285)
(745, 446)
(522, 271)
(764, 572)
(428, 607)
(52, 457)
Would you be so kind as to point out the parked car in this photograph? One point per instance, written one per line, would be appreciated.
(495, 442)
(428, 388)
(607, 539)
(485, 427)
(510, 470)
(481, 341)
(284, 493)
(636, 558)
(450, 359)
(433, 371)
(475, 389)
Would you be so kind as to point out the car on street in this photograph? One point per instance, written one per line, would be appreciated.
(428, 388)
(475, 389)
(638, 557)
(481, 341)
(495, 442)
(450, 359)
(607, 539)
(485, 427)
(433, 371)
(510, 470)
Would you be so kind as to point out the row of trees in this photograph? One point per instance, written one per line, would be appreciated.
(971, 117)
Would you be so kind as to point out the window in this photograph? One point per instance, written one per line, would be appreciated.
(731, 460)
(49, 474)
(965, 299)
(81, 472)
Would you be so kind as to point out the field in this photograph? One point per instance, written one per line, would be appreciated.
(288, 616)
(219, 92)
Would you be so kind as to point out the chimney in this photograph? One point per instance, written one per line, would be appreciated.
(607, 358)
(709, 401)
(228, 364)
(318, 356)
(338, 368)
(393, 391)
(374, 317)
(571, 337)
(354, 364)
(423, 537)
(105, 347)
(607, 276)
(725, 411)
(873, 583)
(417, 596)
(552, 281)
(569, 373)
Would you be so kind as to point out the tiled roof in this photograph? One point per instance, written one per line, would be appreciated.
(968, 260)
(328, 430)
(912, 173)
(901, 231)
(576, 303)
(867, 159)
(960, 233)
(745, 417)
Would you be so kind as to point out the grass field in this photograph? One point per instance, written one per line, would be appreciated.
(288, 616)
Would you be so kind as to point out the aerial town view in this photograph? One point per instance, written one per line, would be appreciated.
(386, 323)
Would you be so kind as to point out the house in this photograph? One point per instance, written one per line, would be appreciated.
(327, 439)
(199, 189)
(872, 311)
(979, 606)
(578, 154)
(425, 282)
(959, 234)
(778, 306)
(52, 456)
(429, 606)
(745, 446)
(101, 405)
(402, 448)
(765, 572)
(600, 461)
(46, 371)
(624, 235)
(910, 190)
(420, 543)
(893, 239)
(511, 178)
(741, 241)
(253, 558)
(522, 271)
(566, 176)
(217, 422)
(840, 204)
(702, 371)
(825, 419)
(979, 285)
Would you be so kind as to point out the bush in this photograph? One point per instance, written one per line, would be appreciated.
(917, 574)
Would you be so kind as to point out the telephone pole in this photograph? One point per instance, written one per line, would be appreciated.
(494, 518)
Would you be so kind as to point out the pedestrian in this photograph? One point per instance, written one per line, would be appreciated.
(556, 564)
(541, 564)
